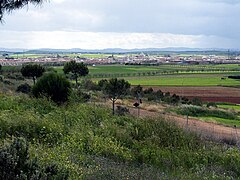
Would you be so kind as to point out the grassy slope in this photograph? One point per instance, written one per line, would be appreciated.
(88, 142)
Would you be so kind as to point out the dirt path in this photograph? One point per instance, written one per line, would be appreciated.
(206, 129)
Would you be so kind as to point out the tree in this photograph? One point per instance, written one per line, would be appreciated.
(54, 86)
(0, 68)
(102, 83)
(116, 89)
(137, 91)
(77, 69)
(33, 71)
(7, 6)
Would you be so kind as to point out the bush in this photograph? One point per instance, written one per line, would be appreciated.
(17, 77)
(15, 163)
(121, 111)
(77, 96)
(148, 91)
(1, 78)
(197, 111)
(24, 88)
(89, 85)
(211, 104)
(196, 101)
(54, 86)
(8, 82)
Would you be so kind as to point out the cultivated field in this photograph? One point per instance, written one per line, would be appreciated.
(206, 93)
(208, 82)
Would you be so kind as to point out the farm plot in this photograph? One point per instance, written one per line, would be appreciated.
(184, 80)
(209, 94)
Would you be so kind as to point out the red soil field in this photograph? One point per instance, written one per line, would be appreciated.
(207, 94)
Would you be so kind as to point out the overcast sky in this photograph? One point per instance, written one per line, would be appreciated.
(99, 24)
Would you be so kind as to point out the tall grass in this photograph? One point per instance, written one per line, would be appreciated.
(198, 111)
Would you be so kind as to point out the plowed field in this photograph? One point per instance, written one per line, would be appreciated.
(210, 94)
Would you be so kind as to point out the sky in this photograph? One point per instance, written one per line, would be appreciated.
(100, 24)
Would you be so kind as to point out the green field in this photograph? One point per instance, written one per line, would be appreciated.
(224, 121)
(121, 69)
(233, 107)
(186, 68)
(114, 69)
(184, 80)
(70, 55)
(167, 75)
(28, 55)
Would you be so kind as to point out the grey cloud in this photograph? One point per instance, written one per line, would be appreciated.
(182, 17)
(189, 17)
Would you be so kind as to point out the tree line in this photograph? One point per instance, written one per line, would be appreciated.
(59, 89)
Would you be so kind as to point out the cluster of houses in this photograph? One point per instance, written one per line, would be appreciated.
(120, 59)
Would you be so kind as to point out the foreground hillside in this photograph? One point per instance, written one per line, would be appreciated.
(78, 141)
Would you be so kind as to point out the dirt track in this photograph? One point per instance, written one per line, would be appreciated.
(206, 129)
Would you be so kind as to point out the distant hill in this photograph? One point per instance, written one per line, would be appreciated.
(113, 50)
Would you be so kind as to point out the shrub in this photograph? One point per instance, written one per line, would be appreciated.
(148, 91)
(89, 85)
(15, 163)
(1, 78)
(137, 91)
(121, 111)
(78, 96)
(24, 88)
(197, 111)
(53, 86)
(211, 104)
(196, 101)
(8, 82)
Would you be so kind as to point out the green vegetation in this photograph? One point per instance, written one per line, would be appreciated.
(170, 75)
(230, 106)
(228, 122)
(77, 69)
(53, 86)
(85, 141)
(220, 116)
(16, 164)
(183, 80)
(116, 69)
(163, 75)
(114, 89)
(33, 71)
(23, 55)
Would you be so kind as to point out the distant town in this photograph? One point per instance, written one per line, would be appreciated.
(139, 58)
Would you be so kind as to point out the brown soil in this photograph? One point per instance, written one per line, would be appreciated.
(210, 94)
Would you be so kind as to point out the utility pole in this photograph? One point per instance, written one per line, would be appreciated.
(138, 98)
(137, 104)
